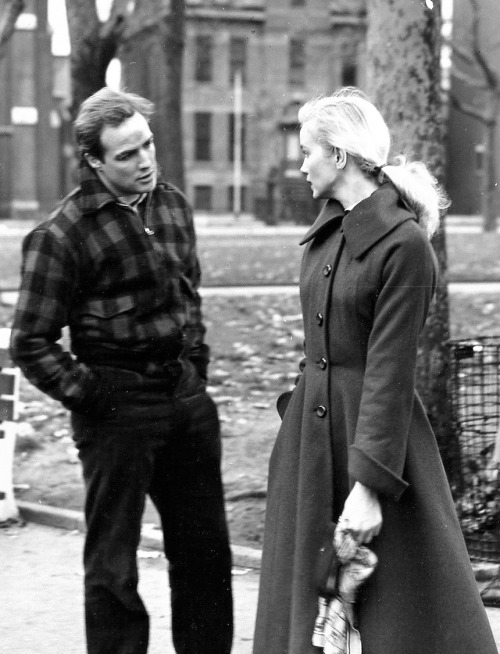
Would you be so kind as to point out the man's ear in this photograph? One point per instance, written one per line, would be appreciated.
(93, 162)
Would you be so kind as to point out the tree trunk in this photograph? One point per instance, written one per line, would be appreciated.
(170, 105)
(403, 53)
(152, 57)
(93, 46)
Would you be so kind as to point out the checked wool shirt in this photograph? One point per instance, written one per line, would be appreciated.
(122, 279)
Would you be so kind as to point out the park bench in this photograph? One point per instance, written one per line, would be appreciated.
(9, 406)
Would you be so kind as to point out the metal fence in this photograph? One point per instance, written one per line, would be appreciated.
(475, 395)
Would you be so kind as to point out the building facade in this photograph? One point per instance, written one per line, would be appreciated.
(467, 139)
(241, 143)
(286, 52)
(29, 119)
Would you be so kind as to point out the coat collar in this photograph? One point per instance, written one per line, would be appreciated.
(94, 195)
(331, 211)
(368, 222)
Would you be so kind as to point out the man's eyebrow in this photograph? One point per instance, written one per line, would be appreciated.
(132, 150)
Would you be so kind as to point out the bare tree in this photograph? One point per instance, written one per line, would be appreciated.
(473, 68)
(152, 58)
(93, 46)
(148, 38)
(403, 54)
(9, 13)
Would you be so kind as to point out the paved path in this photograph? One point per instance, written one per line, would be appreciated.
(278, 289)
(41, 595)
(41, 605)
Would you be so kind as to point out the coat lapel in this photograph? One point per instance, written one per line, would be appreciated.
(331, 211)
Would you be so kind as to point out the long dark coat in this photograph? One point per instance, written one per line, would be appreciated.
(366, 286)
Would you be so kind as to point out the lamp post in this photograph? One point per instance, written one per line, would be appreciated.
(237, 143)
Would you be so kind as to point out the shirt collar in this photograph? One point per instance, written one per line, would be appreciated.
(369, 220)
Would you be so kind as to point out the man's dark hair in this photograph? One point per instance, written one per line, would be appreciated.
(106, 108)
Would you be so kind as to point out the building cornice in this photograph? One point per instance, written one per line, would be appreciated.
(348, 13)
(231, 10)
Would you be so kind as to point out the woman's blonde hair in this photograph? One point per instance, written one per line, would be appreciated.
(349, 121)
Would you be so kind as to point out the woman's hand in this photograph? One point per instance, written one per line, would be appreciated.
(362, 514)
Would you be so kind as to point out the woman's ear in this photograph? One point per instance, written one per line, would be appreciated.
(340, 158)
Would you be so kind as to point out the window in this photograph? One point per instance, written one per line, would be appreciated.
(292, 144)
(237, 58)
(203, 198)
(231, 126)
(243, 198)
(349, 72)
(203, 60)
(297, 60)
(203, 136)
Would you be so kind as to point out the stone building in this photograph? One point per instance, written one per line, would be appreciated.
(467, 139)
(29, 119)
(287, 51)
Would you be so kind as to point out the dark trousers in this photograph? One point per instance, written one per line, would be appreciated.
(167, 446)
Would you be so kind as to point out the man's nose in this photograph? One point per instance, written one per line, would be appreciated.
(145, 158)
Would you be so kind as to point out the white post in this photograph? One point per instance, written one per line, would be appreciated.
(237, 144)
(9, 399)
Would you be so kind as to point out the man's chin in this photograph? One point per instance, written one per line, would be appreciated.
(146, 186)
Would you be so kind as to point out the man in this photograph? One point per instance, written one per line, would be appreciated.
(117, 264)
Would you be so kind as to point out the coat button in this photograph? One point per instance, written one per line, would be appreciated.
(327, 270)
(320, 411)
(322, 363)
(319, 319)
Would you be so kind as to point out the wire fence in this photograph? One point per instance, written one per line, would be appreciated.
(475, 396)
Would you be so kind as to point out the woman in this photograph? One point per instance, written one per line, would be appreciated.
(355, 443)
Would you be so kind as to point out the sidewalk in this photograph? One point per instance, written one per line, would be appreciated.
(247, 224)
(41, 611)
(41, 607)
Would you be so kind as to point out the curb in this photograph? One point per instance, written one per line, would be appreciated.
(151, 538)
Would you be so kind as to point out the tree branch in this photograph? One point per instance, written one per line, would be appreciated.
(460, 52)
(469, 79)
(469, 110)
(9, 13)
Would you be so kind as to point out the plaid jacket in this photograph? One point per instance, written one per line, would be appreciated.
(120, 281)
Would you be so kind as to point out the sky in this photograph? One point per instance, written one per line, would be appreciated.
(59, 25)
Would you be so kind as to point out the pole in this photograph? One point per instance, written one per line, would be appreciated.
(237, 144)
